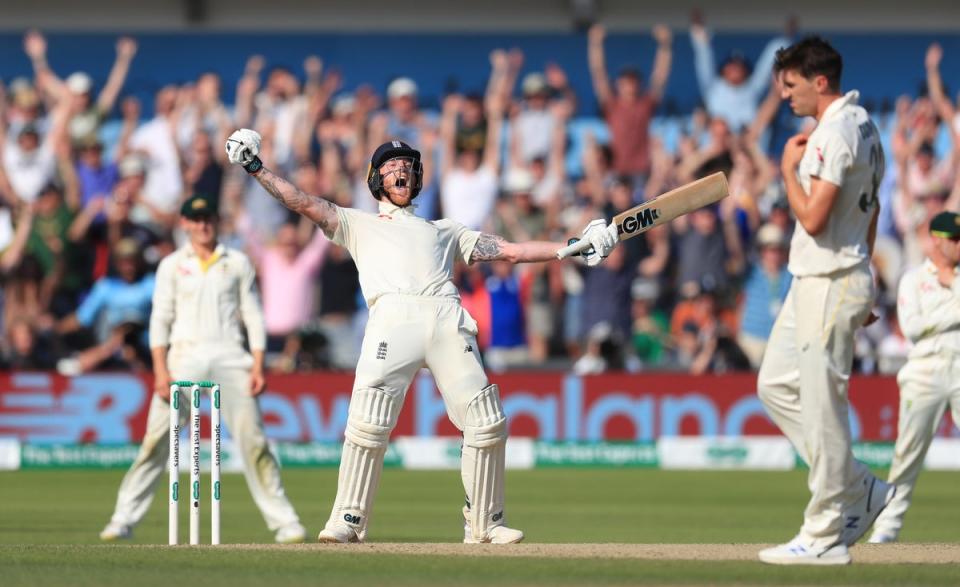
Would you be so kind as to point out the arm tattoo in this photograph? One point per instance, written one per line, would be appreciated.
(489, 247)
(313, 207)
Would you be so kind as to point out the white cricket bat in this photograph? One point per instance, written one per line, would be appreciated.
(663, 208)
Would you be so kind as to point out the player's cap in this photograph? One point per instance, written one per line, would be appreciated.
(402, 87)
(771, 235)
(391, 150)
(534, 83)
(79, 83)
(198, 206)
(131, 165)
(946, 225)
(645, 288)
(518, 180)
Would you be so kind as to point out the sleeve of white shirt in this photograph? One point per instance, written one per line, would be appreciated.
(913, 322)
(466, 241)
(250, 309)
(344, 235)
(832, 159)
(164, 304)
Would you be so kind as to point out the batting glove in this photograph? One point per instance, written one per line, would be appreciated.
(243, 146)
(602, 238)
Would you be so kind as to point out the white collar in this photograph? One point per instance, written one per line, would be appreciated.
(932, 268)
(389, 208)
(850, 98)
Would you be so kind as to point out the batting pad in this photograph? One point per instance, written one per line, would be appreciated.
(373, 414)
(482, 461)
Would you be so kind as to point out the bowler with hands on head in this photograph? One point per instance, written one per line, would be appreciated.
(203, 292)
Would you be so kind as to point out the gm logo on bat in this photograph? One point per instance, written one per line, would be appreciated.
(641, 219)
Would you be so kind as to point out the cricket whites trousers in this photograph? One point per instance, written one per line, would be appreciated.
(228, 366)
(404, 334)
(927, 386)
(803, 384)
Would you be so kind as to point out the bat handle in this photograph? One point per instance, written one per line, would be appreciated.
(575, 247)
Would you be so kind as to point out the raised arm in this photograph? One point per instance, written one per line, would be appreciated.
(945, 109)
(661, 61)
(703, 60)
(761, 72)
(243, 148)
(126, 49)
(598, 65)
(491, 247)
(317, 209)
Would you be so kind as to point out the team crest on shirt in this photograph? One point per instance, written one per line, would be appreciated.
(387, 216)
(819, 154)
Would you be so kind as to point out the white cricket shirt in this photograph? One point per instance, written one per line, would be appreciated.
(398, 252)
(929, 313)
(844, 150)
(198, 302)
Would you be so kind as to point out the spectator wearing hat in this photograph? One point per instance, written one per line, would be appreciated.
(30, 162)
(532, 129)
(731, 91)
(86, 115)
(765, 288)
(96, 177)
(626, 106)
(118, 311)
(154, 143)
(403, 119)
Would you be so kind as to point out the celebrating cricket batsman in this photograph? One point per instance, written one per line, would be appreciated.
(406, 274)
(831, 178)
(928, 306)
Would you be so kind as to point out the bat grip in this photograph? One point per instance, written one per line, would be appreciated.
(575, 247)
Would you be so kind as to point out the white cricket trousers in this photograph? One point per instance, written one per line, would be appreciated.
(803, 383)
(927, 386)
(404, 334)
(230, 367)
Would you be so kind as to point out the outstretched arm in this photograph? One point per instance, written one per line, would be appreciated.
(491, 247)
(317, 209)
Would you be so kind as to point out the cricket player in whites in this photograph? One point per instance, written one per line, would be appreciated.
(831, 177)
(205, 293)
(406, 274)
(928, 306)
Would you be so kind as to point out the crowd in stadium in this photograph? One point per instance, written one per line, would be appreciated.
(86, 215)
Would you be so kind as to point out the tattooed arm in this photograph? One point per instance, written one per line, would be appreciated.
(322, 212)
(491, 247)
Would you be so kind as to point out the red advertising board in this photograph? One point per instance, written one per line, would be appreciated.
(112, 407)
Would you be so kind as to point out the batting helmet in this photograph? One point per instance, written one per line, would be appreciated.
(394, 150)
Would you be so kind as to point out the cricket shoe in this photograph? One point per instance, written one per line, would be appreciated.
(495, 535)
(796, 552)
(882, 537)
(338, 533)
(116, 531)
(293, 533)
(858, 519)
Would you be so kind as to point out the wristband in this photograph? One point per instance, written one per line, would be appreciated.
(253, 166)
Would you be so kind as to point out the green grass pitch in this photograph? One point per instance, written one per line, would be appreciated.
(49, 522)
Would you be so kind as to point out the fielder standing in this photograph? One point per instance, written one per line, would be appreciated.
(204, 290)
(928, 306)
(406, 274)
(831, 178)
